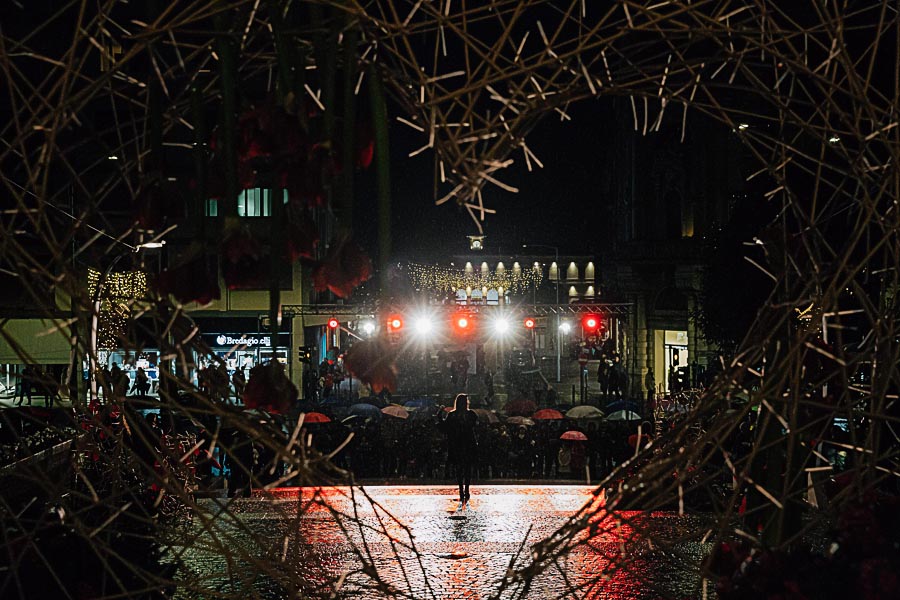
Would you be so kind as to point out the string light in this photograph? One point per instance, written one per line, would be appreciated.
(116, 297)
(444, 279)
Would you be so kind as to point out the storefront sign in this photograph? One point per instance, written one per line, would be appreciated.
(228, 340)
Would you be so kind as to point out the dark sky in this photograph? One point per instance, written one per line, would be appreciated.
(555, 205)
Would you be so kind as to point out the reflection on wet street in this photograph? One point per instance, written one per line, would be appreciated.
(306, 542)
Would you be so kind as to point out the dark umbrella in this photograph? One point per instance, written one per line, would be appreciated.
(623, 405)
(374, 401)
(522, 407)
(486, 416)
(366, 410)
(419, 402)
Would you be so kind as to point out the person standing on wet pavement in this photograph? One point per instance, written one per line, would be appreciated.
(462, 445)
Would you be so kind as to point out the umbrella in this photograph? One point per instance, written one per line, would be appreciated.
(396, 411)
(365, 410)
(584, 412)
(374, 401)
(573, 436)
(520, 421)
(623, 405)
(486, 415)
(316, 417)
(419, 402)
(547, 414)
(623, 415)
(522, 407)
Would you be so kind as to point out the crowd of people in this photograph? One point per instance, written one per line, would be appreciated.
(417, 448)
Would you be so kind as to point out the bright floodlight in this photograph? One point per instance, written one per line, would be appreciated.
(368, 327)
(501, 325)
(423, 325)
(565, 327)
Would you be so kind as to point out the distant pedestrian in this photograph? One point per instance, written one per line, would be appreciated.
(462, 445)
(26, 381)
(238, 381)
(650, 384)
(141, 382)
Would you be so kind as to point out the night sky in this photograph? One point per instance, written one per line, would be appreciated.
(555, 205)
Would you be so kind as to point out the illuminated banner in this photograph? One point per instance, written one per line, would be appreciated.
(249, 340)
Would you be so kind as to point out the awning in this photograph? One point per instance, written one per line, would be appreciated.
(40, 341)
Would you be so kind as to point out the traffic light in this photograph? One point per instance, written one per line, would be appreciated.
(304, 354)
(529, 323)
(591, 323)
(333, 323)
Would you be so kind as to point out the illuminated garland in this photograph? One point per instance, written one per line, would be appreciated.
(117, 295)
(444, 279)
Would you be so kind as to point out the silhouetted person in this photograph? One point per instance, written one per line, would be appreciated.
(462, 445)
(26, 381)
(141, 382)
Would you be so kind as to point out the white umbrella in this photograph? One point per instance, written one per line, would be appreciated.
(623, 415)
(584, 412)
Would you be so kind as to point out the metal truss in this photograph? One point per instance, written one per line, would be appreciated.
(368, 310)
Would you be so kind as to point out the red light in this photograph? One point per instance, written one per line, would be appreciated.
(529, 323)
(591, 323)
(462, 322)
(395, 323)
(333, 323)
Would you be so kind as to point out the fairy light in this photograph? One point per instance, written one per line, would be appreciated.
(116, 297)
(443, 279)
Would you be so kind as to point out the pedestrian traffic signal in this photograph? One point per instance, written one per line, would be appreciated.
(304, 354)
(529, 323)
(591, 323)
(333, 323)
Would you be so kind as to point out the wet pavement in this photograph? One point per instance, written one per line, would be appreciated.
(409, 542)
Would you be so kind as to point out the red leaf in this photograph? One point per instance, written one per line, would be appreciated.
(372, 362)
(269, 389)
(194, 278)
(302, 234)
(345, 267)
(243, 261)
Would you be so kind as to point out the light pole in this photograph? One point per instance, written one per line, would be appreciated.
(556, 310)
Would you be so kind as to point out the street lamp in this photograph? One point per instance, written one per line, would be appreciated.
(556, 310)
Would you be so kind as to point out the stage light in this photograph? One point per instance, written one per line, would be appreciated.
(529, 323)
(368, 327)
(565, 327)
(591, 323)
(333, 323)
(395, 323)
(501, 325)
(423, 325)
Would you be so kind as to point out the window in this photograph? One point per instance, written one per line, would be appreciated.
(255, 202)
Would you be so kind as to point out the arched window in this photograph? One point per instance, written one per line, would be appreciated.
(572, 272)
(493, 297)
(589, 271)
(553, 275)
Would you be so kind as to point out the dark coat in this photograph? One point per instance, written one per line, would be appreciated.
(459, 426)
